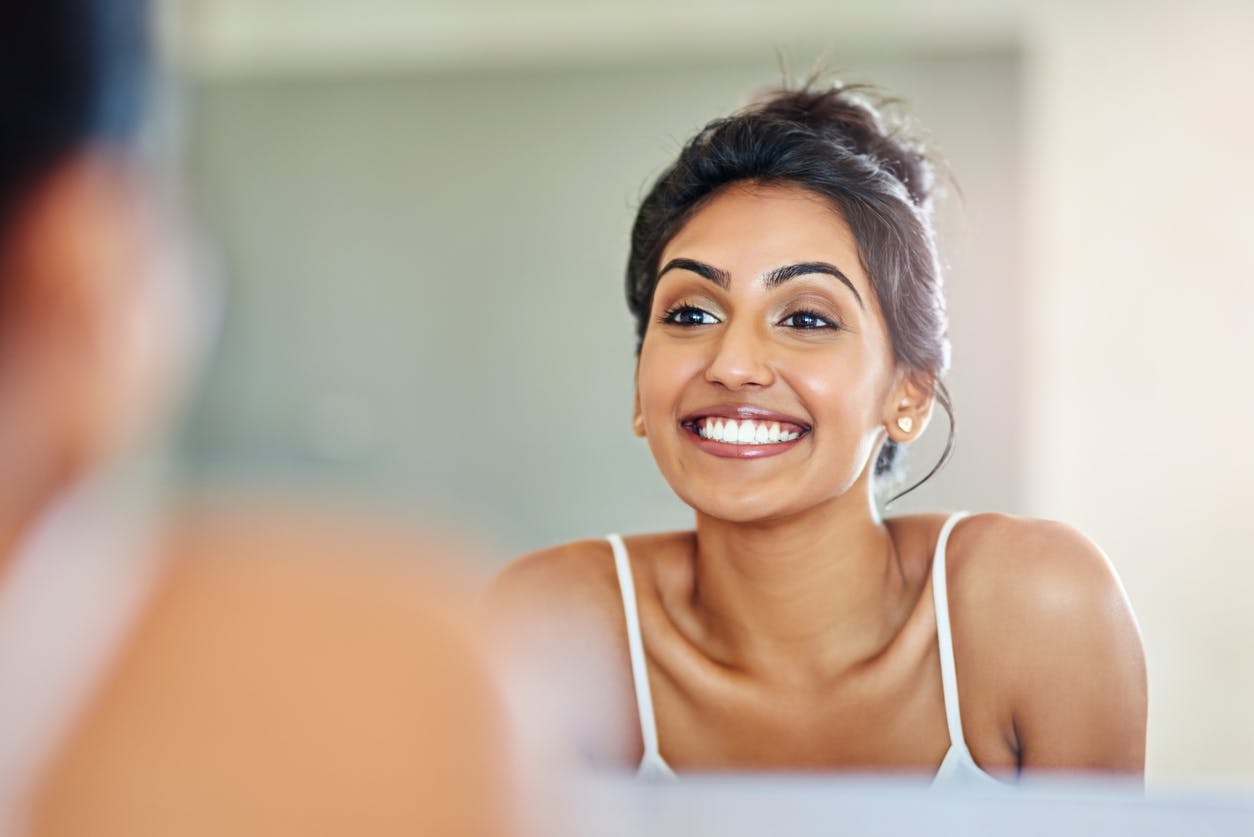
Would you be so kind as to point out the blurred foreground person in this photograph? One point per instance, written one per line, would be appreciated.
(216, 673)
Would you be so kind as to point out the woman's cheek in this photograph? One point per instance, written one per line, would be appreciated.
(663, 373)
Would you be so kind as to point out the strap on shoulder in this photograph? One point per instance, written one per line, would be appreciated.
(635, 645)
(940, 592)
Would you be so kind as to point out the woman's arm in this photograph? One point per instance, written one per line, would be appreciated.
(1067, 648)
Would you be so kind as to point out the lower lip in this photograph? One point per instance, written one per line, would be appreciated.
(726, 450)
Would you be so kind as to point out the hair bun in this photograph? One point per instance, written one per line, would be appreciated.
(850, 116)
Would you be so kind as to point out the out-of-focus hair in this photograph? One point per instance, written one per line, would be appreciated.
(74, 74)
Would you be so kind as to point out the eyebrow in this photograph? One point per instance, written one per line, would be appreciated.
(719, 277)
(791, 271)
(774, 277)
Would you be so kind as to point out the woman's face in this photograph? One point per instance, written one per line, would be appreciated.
(766, 377)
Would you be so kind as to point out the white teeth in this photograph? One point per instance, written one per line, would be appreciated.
(745, 432)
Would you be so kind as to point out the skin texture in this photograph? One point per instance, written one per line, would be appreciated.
(793, 628)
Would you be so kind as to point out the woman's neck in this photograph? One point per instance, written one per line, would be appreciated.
(800, 598)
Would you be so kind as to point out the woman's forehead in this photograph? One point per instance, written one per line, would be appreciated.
(749, 229)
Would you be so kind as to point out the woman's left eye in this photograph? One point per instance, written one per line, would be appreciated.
(807, 320)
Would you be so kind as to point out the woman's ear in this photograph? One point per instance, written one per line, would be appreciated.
(637, 417)
(909, 407)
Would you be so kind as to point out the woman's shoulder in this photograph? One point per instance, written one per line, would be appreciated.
(554, 594)
(577, 575)
(558, 581)
(555, 619)
(1018, 567)
(1041, 619)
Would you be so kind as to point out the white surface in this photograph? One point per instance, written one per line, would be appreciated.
(726, 806)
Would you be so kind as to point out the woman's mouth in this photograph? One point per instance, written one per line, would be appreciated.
(743, 438)
(746, 431)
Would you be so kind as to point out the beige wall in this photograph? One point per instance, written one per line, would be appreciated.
(1140, 266)
(1100, 283)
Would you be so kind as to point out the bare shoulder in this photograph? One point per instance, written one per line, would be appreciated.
(1045, 622)
(1005, 565)
(554, 621)
(569, 584)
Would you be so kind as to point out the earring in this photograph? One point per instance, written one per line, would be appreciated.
(906, 424)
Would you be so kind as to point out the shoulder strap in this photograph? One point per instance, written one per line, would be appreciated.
(639, 668)
(940, 592)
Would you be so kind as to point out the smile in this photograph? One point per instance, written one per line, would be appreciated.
(747, 431)
(738, 436)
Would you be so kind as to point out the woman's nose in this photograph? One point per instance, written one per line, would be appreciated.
(740, 358)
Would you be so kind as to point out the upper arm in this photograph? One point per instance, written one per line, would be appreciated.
(1068, 650)
(554, 625)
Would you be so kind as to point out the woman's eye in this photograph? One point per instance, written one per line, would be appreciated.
(807, 320)
(687, 315)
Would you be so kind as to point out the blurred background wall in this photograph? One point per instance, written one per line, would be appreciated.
(422, 208)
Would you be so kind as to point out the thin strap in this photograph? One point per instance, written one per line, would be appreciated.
(949, 679)
(639, 670)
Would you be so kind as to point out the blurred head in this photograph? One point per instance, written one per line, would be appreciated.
(93, 324)
(75, 74)
(828, 149)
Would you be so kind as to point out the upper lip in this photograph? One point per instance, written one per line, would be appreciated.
(742, 412)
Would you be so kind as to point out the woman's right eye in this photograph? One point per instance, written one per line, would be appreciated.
(688, 315)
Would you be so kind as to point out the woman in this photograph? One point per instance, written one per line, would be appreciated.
(792, 337)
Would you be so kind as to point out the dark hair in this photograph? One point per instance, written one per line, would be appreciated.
(830, 140)
(73, 74)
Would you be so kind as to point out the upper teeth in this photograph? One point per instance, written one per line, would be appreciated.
(745, 432)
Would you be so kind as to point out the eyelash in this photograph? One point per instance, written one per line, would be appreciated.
(668, 318)
(827, 321)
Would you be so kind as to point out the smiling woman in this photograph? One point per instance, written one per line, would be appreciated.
(792, 336)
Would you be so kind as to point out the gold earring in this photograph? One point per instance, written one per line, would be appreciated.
(906, 424)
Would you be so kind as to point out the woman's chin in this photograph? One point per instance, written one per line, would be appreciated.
(744, 509)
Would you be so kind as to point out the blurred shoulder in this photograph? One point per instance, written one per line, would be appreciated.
(297, 558)
(321, 658)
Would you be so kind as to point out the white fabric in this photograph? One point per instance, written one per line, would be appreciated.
(652, 765)
(68, 597)
(958, 768)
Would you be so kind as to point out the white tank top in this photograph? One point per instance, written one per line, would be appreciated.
(957, 768)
